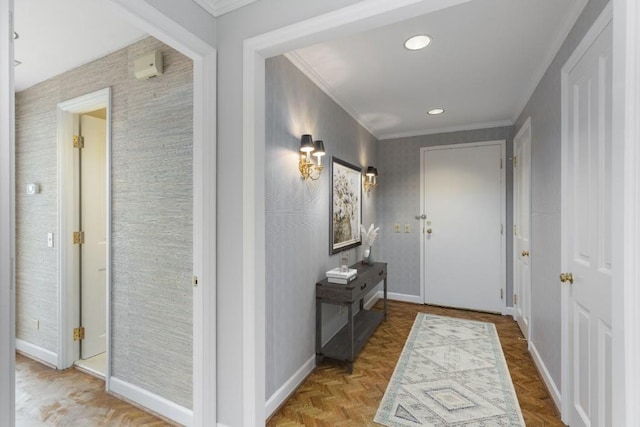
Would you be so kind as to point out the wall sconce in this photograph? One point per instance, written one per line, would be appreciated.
(370, 179)
(309, 149)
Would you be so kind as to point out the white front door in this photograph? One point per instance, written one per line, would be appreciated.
(93, 202)
(586, 233)
(522, 226)
(463, 200)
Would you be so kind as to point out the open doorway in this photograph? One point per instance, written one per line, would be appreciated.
(94, 247)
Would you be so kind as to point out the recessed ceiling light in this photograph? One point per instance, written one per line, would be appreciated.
(435, 111)
(417, 42)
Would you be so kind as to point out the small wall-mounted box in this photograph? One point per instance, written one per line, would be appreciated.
(148, 66)
(33, 188)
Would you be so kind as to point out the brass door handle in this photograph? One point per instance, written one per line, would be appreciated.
(525, 253)
(566, 277)
(429, 231)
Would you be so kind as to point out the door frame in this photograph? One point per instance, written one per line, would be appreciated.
(366, 14)
(590, 37)
(516, 283)
(7, 218)
(503, 213)
(68, 217)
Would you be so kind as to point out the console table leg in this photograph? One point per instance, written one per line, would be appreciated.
(351, 343)
(318, 329)
(385, 299)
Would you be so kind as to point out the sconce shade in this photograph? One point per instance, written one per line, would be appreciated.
(371, 171)
(306, 143)
(319, 149)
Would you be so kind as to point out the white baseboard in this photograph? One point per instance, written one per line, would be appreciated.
(393, 297)
(283, 393)
(509, 311)
(415, 299)
(40, 354)
(546, 377)
(153, 402)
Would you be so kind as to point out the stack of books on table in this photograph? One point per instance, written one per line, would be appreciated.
(341, 277)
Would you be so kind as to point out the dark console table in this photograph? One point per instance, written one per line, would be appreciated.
(348, 342)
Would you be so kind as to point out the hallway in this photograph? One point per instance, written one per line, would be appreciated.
(331, 397)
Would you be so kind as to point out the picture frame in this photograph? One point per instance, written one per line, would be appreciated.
(345, 206)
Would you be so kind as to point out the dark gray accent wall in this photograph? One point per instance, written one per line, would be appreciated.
(399, 202)
(544, 108)
(152, 199)
(297, 214)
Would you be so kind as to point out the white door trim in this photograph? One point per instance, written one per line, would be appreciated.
(626, 212)
(503, 213)
(68, 199)
(361, 16)
(598, 26)
(7, 218)
(516, 283)
(163, 28)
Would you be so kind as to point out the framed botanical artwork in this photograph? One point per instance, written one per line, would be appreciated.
(345, 206)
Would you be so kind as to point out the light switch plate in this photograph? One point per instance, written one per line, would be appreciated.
(33, 188)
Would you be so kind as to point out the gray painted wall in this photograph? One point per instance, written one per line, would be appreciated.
(152, 135)
(544, 108)
(297, 214)
(399, 202)
(251, 20)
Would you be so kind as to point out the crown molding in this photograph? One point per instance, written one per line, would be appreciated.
(433, 131)
(324, 86)
(220, 7)
(567, 25)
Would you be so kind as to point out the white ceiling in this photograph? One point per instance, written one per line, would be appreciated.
(57, 36)
(486, 58)
(60, 35)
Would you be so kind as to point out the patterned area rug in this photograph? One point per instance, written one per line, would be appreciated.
(451, 372)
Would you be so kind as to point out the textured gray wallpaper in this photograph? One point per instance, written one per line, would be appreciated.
(544, 108)
(297, 214)
(152, 215)
(399, 202)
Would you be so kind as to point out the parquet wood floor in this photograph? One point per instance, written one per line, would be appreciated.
(70, 398)
(332, 397)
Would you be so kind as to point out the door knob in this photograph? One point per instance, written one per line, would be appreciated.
(429, 231)
(525, 253)
(566, 277)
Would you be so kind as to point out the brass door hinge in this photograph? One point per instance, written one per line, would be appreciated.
(500, 162)
(501, 293)
(78, 141)
(78, 237)
(515, 299)
(515, 162)
(78, 334)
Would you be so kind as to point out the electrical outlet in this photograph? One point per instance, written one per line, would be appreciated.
(397, 228)
(407, 228)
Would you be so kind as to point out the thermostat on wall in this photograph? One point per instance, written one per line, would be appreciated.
(33, 188)
(149, 65)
